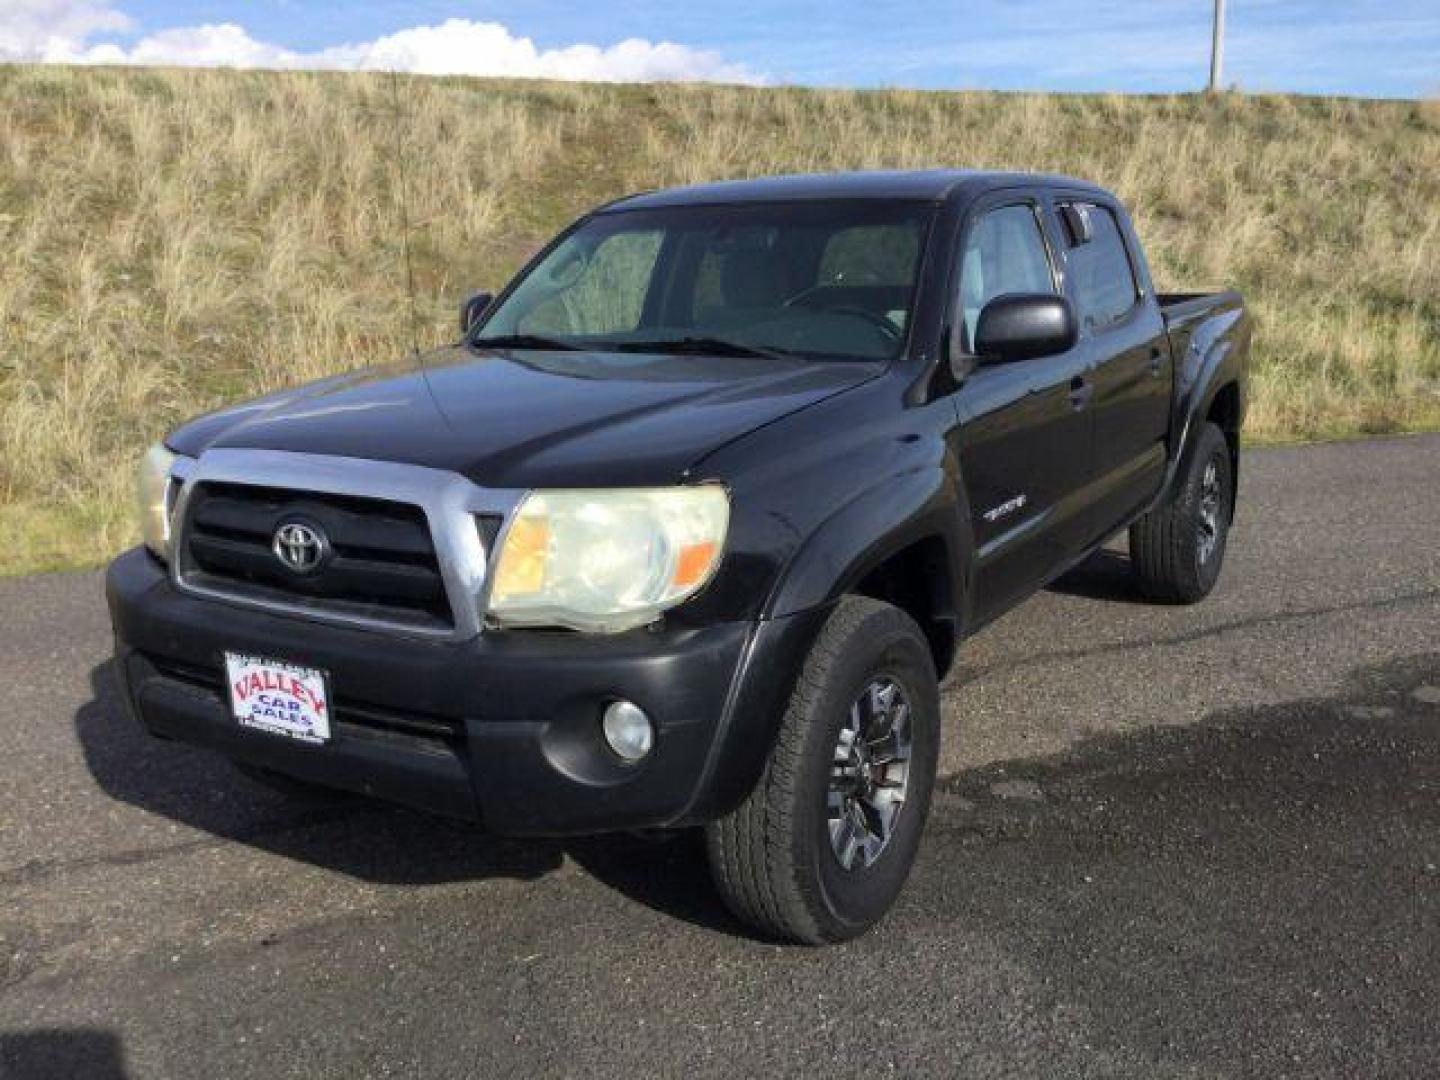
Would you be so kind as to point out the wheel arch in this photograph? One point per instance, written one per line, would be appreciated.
(903, 541)
(1216, 395)
(1226, 411)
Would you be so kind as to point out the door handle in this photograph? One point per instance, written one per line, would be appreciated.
(1157, 359)
(1081, 391)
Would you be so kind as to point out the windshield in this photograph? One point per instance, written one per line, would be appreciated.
(831, 280)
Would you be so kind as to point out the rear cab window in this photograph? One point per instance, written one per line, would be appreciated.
(878, 262)
(870, 268)
(1100, 272)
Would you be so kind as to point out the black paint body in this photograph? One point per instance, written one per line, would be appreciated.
(843, 475)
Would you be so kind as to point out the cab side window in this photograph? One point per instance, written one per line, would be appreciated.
(1004, 253)
(1100, 270)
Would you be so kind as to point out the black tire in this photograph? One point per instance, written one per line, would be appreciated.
(1168, 546)
(773, 858)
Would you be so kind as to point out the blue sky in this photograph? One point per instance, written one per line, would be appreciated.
(1365, 47)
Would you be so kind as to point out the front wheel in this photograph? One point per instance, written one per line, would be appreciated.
(822, 846)
(1176, 549)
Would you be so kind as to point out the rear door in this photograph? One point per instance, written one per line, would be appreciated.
(1024, 435)
(1122, 336)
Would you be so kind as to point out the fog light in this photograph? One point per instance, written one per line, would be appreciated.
(628, 730)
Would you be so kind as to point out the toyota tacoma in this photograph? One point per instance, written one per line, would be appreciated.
(687, 526)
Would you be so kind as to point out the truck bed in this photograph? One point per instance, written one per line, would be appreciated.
(1182, 305)
(1203, 328)
(1185, 313)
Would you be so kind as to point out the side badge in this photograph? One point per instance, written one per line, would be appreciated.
(1005, 509)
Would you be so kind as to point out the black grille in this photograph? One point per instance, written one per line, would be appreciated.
(381, 565)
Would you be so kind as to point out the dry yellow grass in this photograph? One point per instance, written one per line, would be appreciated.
(170, 240)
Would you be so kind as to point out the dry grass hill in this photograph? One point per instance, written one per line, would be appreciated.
(170, 240)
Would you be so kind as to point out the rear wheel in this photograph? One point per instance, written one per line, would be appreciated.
(1177, 549)
(822, 846)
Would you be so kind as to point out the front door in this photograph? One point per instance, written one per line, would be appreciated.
(1025, 427)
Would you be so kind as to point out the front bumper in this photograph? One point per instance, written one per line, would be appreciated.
(502, 728)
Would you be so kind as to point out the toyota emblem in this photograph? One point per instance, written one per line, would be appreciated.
(300, 547)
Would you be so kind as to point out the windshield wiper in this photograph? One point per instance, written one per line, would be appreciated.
(524, 341)
(704, 346)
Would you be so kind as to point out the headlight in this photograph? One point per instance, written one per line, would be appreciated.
(156, 499)
(607, 560)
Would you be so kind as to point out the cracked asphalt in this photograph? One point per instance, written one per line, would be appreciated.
(1172, 842)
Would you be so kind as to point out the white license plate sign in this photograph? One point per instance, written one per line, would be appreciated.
(283, 699)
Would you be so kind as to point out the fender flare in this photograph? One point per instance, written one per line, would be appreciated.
(915, 505)
(1206, 372)
(879, 521)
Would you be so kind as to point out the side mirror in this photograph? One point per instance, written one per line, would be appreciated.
(1022, 326)
(471, 310)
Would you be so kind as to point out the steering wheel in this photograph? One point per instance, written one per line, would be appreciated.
(808, 291)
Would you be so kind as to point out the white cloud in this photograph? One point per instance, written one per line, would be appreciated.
(62, 31)
(31, 28)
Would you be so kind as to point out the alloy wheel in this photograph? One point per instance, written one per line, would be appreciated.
(1209, 525)
(870, 774)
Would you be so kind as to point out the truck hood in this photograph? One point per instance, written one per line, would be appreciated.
(522, 419)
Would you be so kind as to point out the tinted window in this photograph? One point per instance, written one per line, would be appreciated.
(1100, 270)
(604, 292)
(1004, 253)
(833, 280)
(867, 267)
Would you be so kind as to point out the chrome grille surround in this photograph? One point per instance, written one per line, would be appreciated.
(452, 506)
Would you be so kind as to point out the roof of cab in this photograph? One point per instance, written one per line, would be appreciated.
(920, 185)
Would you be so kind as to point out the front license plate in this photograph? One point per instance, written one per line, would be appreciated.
(283, 699)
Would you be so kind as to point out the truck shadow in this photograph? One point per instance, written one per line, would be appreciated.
(62, 1054)
(1105, 575)
(363, 838)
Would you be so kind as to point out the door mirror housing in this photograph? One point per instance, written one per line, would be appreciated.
(1023, 326)
(472, 309)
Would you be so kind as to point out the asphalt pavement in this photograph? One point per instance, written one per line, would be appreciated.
(1171, 842)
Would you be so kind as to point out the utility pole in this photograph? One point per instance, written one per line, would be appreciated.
(1217, 48)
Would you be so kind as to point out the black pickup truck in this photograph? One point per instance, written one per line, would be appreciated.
(688, 525)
